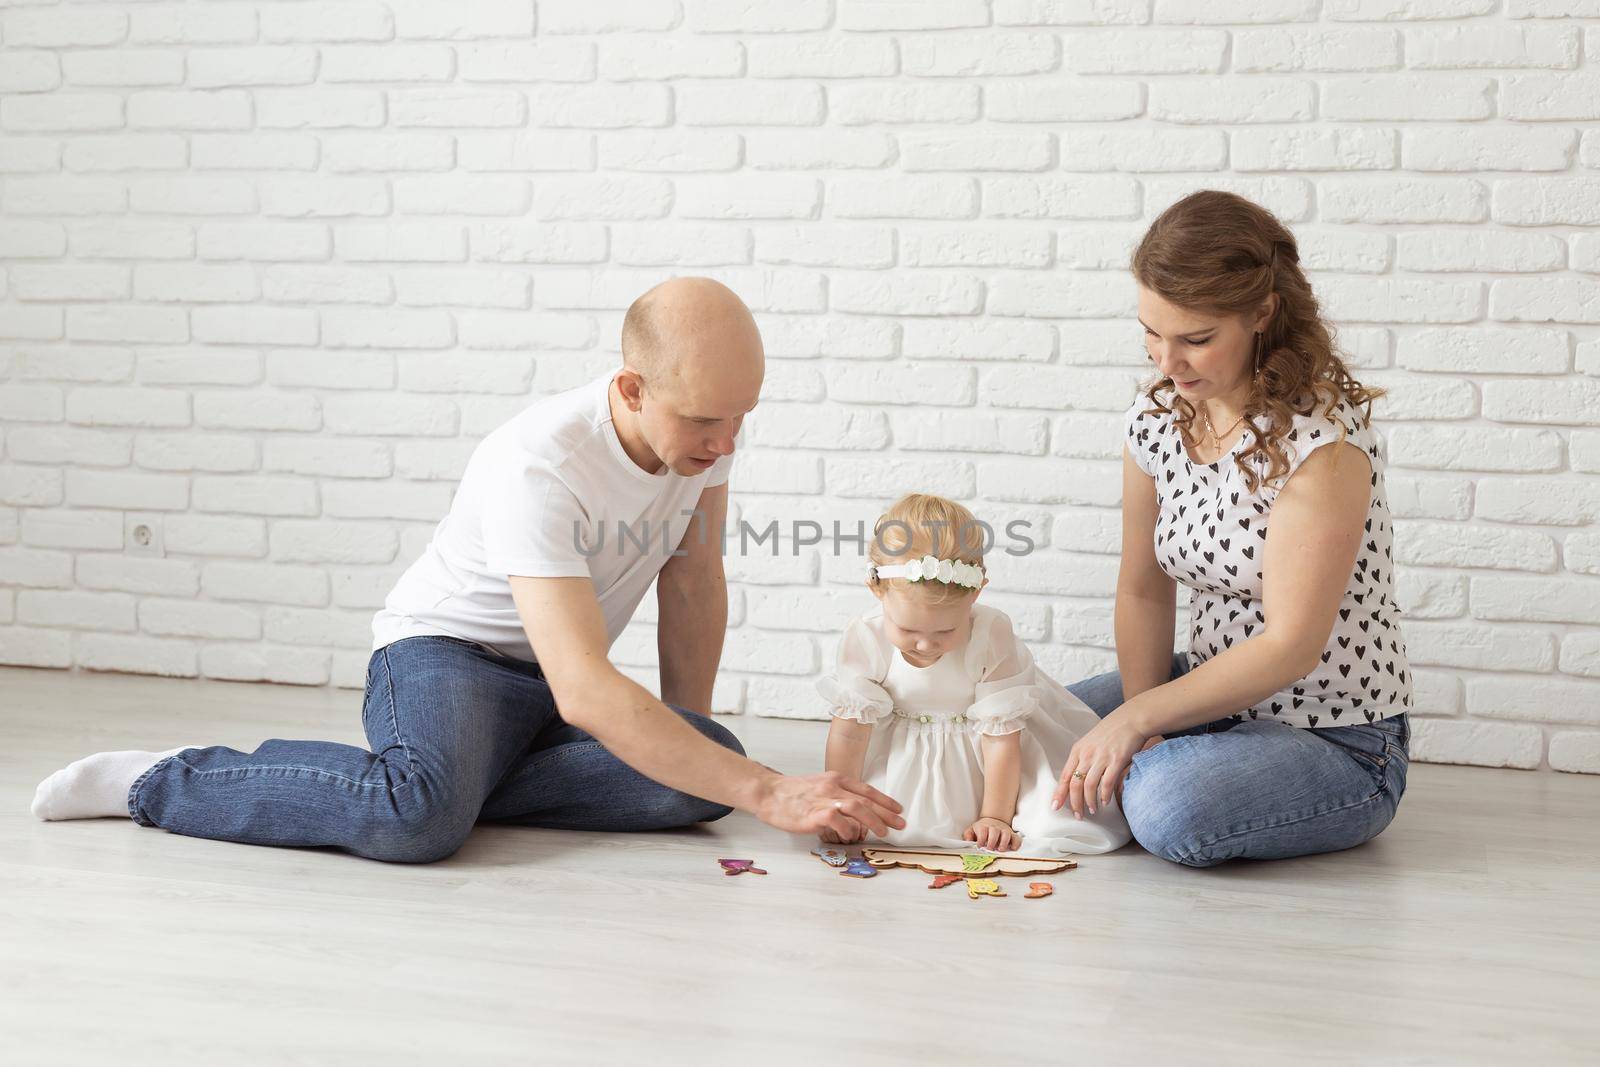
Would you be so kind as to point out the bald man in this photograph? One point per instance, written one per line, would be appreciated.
(490, 694)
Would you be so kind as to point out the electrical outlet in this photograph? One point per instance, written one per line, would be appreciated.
(142, 535)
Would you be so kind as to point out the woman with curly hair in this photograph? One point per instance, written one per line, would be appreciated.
(1251, 475)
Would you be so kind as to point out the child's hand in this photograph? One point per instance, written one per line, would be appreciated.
(994, 834)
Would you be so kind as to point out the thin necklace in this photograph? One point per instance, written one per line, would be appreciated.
(1216, 439)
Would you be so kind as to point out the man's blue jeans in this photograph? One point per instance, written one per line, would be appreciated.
(1258, 790)
(458, 733)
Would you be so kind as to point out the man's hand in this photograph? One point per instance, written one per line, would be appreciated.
(813, 803)
(567, 631)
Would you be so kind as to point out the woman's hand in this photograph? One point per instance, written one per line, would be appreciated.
(831, 836)
(994, 834)
(1103, 757)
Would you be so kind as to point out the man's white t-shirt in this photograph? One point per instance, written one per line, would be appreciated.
(549, 494)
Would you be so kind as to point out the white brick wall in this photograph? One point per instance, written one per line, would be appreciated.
(268, 270)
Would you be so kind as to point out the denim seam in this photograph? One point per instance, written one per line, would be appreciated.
(589, 746)
(553, 751)
(1382, 789)
(543, 758)
(252, 772)
(1377, 766)
(247, 772)
(138, 783)
(549, 753)
(1400, 745)
(292, 771)
(394, 720)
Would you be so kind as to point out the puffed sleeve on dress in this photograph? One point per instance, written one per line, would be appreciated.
(1006, 692)
(854, 689)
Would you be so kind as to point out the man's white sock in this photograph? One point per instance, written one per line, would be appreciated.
(96, 786)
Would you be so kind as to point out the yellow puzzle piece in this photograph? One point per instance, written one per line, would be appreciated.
(983, 887)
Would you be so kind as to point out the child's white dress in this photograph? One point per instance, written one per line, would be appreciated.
(925, 748)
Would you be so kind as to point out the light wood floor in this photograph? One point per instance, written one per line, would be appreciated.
(1468, 932)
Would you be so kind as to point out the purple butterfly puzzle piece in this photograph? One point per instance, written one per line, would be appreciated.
(859, 868)
(740, 867)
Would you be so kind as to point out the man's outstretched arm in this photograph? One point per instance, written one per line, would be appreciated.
(567, 630)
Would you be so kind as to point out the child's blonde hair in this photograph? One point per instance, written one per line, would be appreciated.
(921, 524)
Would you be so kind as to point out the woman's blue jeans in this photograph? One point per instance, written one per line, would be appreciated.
(457, 733)
(1258, 790)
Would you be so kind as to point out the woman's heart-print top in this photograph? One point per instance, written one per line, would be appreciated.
(1211, 536)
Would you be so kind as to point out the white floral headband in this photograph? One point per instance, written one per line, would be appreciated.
(950, 571)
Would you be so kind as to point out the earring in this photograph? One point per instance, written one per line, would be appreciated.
(1261, 344)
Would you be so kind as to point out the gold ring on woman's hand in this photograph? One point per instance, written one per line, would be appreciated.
(1080, 774)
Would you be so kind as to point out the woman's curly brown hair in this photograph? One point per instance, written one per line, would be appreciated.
(1217, 253)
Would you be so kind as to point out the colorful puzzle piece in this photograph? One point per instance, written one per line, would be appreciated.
(833, 857)
(973, 862)
(859, 868)
(983, 887)
(942, 880)
(740, 867)
(1039, 889)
